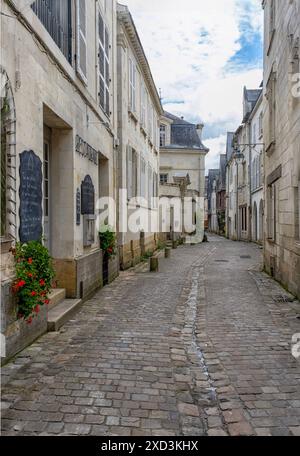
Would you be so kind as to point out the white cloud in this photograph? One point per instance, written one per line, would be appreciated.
(189, 44)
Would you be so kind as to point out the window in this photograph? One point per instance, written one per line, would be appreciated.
(163, 131)
(271, 195)
(150, 119)
(143, 105)
(8, 159)
(55, 16)
(132, 86)
(261, 125)
(295, 57)
(143, 178)
(132, 161)
(254, 134)
(150, 186)
(103, 65)
(81, 41)
(271, 97)
(244, 218)
(272, 18)
(163, 179)
(155, 188)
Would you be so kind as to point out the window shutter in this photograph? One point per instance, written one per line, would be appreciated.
(81, 40)
(129, 172)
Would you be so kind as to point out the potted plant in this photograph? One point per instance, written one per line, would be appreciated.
(34, 277)
(108, 245)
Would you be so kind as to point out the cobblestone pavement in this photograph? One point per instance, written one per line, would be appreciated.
(201, 348)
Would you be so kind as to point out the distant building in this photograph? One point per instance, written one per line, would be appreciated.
(255, 122)
(182, 154)
(221, 195)
(241, 158)
(213, 175)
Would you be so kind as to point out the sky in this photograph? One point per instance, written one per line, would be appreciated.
(202, 53)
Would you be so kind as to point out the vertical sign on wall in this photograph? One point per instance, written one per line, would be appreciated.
(31, 213)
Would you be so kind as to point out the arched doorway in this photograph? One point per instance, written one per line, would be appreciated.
(8, 159)
(261, 221)
(255, 237)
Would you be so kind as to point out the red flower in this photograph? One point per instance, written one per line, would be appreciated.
(21, 283)
(110, 250)
(37, 309)
(30, 274)
(33, 293)
(42, 282)
(29, 320)
(47, 301)
(43, 293)
(30, 260)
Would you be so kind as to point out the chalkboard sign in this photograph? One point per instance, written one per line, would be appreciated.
(87, 196)
(31, 195)
(78, 207)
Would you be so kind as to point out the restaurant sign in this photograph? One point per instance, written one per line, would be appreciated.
(85, 150)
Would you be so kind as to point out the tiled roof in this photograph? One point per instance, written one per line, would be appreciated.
(184, 134)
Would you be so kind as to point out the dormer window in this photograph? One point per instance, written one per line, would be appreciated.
(163, 132)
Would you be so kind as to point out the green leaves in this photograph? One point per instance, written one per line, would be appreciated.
(34, 276)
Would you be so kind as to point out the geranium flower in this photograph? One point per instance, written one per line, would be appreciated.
(47, 301)
(42, 282)
(30, 274)
(37, 309)
(33, 293)
(21, 283)
(30, 260)
(29, 320)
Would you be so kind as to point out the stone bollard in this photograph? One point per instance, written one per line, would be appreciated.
(167, 252)
(174, 244)
(153, 264)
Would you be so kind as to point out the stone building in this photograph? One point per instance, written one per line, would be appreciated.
(231, 189)
(281, 128)
(241, 154)
(213, 175)
(182, 154)
(255, 122)
(58, 138)
(139, 111)
(221, 195)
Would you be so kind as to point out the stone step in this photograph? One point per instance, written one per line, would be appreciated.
(61, 313)
(56, 296)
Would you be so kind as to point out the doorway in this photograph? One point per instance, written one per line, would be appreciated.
(47, 187)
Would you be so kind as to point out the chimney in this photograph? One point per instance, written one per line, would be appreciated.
(199, 129)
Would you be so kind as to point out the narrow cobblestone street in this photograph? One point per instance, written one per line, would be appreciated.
(201, 348)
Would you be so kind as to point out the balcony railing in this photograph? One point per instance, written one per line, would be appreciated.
(55, 15)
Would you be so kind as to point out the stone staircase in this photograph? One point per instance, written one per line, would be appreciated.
(60, 309)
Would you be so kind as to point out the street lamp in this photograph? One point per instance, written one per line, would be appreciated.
(239, 157)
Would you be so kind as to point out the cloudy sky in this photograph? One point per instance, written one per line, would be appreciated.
(202, 53)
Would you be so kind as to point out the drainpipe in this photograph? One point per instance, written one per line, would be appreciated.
(250, 183)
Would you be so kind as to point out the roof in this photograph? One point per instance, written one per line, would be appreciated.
(250, 97)
(253, 95)
(184, 135)
(229, 145)
(222, 173)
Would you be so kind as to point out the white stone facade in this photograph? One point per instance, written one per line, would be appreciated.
(281, 127)
(139, 111)
(60, 114)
